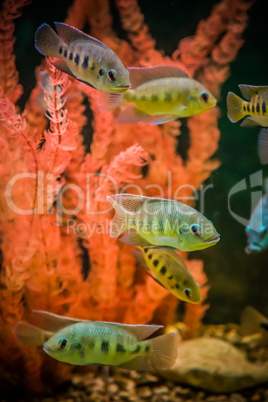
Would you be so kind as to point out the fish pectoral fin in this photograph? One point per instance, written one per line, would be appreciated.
(263, 146)
(139, 364)
(132, 238)
(140, 75)
(62, 66)
(249, 122)
(251, 90)
(130, 115)
(70, 34)
(86, 83)
(161, 119)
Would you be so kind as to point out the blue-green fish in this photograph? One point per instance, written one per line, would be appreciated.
(81, 342)
(160, 223)
(168, 268)
(83, 57)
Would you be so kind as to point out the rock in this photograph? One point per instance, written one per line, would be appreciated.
(214, 365)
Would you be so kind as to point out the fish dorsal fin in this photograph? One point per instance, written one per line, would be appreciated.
(251, 90)
(251, 321)
(70, 34)
(132, 202)
(140, 75)
(139, 364)
(52, 322)
(141, 332)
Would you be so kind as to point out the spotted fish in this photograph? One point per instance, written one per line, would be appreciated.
(160, 223)
(83, 57)
(168, 268)
(105, 343)
(255, 106)
(158, 94)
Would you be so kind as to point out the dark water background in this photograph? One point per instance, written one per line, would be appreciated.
(236, 279)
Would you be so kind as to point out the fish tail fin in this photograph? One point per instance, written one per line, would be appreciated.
(47, 42)
(163, 351)
(119, 222)
(107, 102)
(235, 107)
(251, 321)
(31, 335)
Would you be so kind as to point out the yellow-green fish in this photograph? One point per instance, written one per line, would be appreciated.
(169, 270)
(83, 57)
(106, 343)
(160, 223)
(255, 106)
(159, 94)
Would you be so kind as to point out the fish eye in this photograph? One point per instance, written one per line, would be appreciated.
(195, 230)
(188, 293)
(63, 342)
(111, 75)
(101, 72)
(204, 96)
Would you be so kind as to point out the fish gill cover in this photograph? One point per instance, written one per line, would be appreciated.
(63, 195)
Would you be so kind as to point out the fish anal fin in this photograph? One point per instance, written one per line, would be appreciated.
(251, 90)
(140, 75)
(62, 66)
(249, 122)
(70, 34)
(130, 115)
(161, 119)
(139, 364)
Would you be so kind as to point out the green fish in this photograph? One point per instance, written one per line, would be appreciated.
(160, 223)
(82, 342)
(158, 94)
(169, 270)
(83, 57)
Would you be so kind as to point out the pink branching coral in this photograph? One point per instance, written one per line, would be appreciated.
(57, 254)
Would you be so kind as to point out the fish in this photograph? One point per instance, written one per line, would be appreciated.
(263, 146)
(253, 322)
(160, 223)
(255, 106)
(83, 57)
(257, 229)
(158, 94)
(113, 344)
(169, 270)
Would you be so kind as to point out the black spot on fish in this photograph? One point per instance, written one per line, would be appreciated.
(177, 286)
(150, 256)
(146, 250)
(155, 262)
(244, 108)
(154, 98)
(163, 270)
(101, 72)
(258, 108)
(170, 277)
(71, 56)
(92, 67)
(264, 325)
(90, 343)
(60, 50)
(85, 62)
(147, 348)
(78, 346)
(105, 346)
(168, 97)
(120, 348)
(65, 53)
(138, 348)
(253, 108)
(263, 107)
(248, 108)
(143, 98)
(77, 59)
